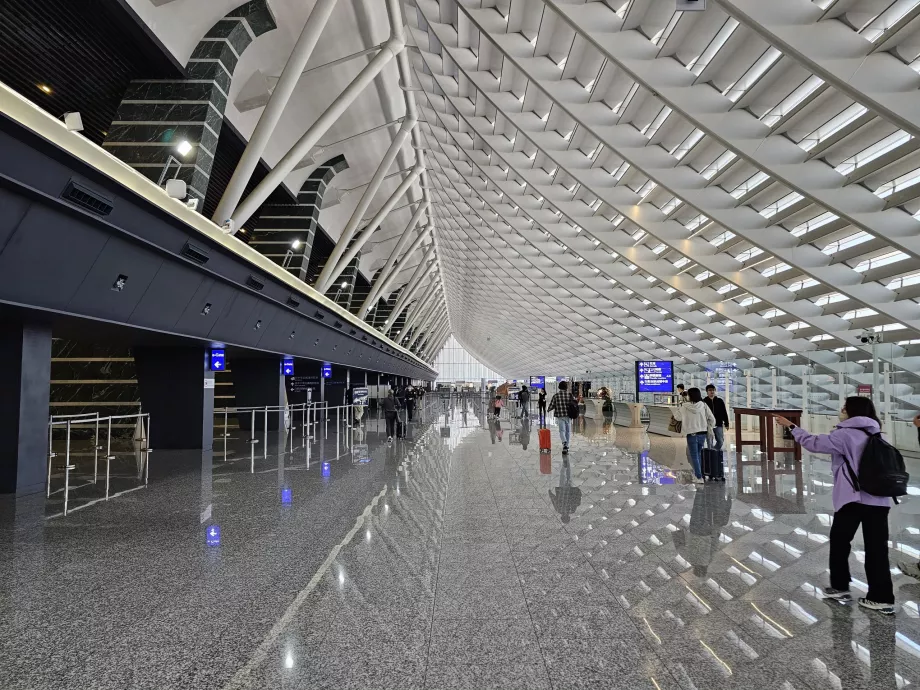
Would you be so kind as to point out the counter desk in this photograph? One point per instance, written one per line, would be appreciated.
(628, 414)
(659, 417)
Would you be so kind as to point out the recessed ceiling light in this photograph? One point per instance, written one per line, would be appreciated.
(184, 148)
(45, 89)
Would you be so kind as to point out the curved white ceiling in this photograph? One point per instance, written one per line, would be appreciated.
(617, 180)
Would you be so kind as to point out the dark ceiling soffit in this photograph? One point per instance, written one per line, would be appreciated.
(144, 31)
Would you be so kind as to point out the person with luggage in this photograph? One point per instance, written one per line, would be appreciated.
(717, 406)
(696, 420)
(524, 400)
(853, 507)
(561, 405)
(389, 413)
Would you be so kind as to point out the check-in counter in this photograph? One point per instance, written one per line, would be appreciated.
(628, 414)
(594, 408)
(659, 417)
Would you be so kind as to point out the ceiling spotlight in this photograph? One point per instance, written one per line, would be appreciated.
(344, 285)
(44, 88)
(184, 147)
(295, 244)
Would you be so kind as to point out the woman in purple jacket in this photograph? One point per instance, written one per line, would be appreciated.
(851, 507)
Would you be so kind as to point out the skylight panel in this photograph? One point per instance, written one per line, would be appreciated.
(687, 144)
(773, 270)
(697, 65)
(757, 70)
(847, 242)
(834, 125)
(662, 36)
(781, 204)
(749, 184)
(870, 153)
(718, 165)
(814, 223)
(792, 101)
(898, 184)
(884, 260)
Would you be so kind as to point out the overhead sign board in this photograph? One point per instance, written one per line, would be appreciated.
(655, 377)
(538, 382)
(218, 360)
(359, 396)
(327, 370)
(287, 366)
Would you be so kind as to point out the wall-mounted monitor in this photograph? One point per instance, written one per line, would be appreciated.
(654, 377)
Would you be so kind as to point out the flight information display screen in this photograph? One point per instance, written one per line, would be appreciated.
(655, 377)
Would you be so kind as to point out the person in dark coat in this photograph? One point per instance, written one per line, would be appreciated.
(717, 406)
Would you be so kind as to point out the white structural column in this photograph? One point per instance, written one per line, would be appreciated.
(351, 227)
(424, 308)
(423, 270)
(293, 69)
(287, 164)
(837, 54)
(433, 322)
(351, 252)
(390, 270)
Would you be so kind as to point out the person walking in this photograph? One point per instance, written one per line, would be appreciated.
(541, 403)
(498, 404)
(410, 403)
(912, 569)
(389, 413)
(560, 407)
(524, 400)
(696, 420)
(852, 508)
(717, 406)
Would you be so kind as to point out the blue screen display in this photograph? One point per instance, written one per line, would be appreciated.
(537, 382)
(287, 366)
(655, 377)
(218, 360)
(327, 370)
(212, 536)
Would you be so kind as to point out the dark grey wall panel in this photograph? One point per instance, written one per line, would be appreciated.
(196, 323)
(97, 295)
(48, 257)
(167, 297)
(13, 209)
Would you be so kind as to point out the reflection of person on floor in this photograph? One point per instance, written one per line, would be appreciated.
(912, 569)
(498, 430)
(880, 640)
(699, 542)
(525, 432)
(567, 497)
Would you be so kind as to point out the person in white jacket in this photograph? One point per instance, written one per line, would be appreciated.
(696, 420)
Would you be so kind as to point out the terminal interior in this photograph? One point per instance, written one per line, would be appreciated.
(288, 290)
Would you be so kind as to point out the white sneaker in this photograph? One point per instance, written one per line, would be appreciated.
(389, 439)
(699, 480)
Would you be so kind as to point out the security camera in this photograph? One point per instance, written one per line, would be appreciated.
(73, 122)
(869, 337)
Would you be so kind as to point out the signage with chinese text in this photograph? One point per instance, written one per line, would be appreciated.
(655, 377)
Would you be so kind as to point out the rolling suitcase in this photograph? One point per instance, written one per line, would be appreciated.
(544, 436)
(400, 427)
(712, 466)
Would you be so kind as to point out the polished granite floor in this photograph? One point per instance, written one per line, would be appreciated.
(457, 558)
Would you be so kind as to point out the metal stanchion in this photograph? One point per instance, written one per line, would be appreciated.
(252, 426)
(108, 459)
(67, 468)
(147, 454)
(265, 437)
(226, 433)
(96, 452)
(303, 425)
(51, 456)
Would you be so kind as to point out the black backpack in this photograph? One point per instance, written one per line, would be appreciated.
(573, 410)
(882, 471)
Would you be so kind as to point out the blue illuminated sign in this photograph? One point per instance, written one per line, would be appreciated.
(218, 360)
(327, 469)
(655, 377)
(287, 366)
(212, 536)
(327, 370)
(538, 382)
(286, 497)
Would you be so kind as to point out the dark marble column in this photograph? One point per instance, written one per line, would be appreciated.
(280, 224)
(257, 382)
(177, 390)
(25, 388)
(155, 116)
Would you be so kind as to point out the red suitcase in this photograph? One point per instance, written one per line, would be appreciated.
(544, 436)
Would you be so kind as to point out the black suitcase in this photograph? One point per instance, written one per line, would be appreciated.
(712, 465)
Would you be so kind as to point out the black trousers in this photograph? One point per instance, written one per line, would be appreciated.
(391, 423)
(874, 521)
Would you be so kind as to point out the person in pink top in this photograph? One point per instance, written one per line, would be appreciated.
(853, 508)
(498, 405)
